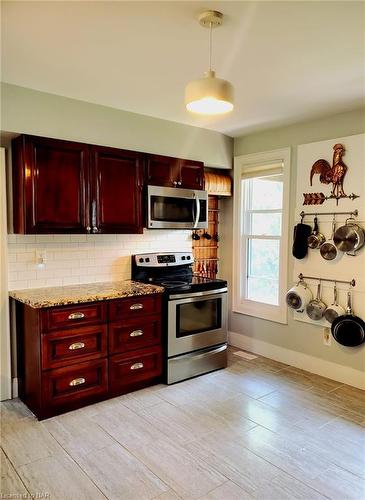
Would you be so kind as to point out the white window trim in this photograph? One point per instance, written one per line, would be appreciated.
(253, 163)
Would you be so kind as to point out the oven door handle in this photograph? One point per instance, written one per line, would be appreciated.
(205, 294)
(197, 210)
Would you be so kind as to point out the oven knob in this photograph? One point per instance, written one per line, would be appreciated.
(188, 257)
(183, 257)
(141, 260)
(147, 259)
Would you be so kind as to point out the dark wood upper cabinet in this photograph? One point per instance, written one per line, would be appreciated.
(191, 174)
(173, 172)
(50, 186)
(162, 170)
(67, 187)
(116, 191)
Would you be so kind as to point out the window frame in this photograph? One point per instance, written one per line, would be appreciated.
(247, 166)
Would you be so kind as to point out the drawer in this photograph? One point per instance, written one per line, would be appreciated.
(134, 334)
(128, 370)
(63, 347)
(134, 307)
(71, 316)
(79, 384)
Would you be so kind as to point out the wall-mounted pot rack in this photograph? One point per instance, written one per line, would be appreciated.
(303, 214)
(352, 283)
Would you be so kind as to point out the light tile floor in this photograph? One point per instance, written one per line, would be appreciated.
(259, 429)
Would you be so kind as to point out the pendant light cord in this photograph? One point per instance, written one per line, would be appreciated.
(210, 45)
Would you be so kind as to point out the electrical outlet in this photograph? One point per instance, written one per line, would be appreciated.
(327, 337)
(40, 258)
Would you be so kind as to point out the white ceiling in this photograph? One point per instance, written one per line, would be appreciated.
(288, 61)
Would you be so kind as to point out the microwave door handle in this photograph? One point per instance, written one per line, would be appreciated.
(197, 213)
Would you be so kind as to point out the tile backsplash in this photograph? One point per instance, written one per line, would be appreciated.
(72, 259)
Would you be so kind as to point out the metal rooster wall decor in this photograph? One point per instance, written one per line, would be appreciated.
(328, 175)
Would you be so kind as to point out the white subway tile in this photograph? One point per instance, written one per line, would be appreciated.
(18, 285)
(17, 266)
(12, 276)
(44, 273)
(61, 238)
(11, 238)
(25, 239)
(36, 283)
(78, 238)
(85, 258)
(72, 280)
(25, 257)
(44, 238)
(87, 279)
(61, 273)
(54, 282)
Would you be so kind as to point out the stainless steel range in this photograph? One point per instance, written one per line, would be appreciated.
(195, 313)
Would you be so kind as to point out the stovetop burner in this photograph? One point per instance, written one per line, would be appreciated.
(173, 272)
(172, 283)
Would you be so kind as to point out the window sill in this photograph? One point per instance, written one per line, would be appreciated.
(266, 312)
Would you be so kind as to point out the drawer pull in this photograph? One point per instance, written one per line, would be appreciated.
(137, 366)
(134, 307)
(77, 381)
(78, 315)
(76, 345)
(136, 333)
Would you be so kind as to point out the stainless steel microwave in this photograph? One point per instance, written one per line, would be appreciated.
(176, 208)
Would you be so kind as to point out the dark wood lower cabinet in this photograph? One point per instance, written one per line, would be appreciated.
(128, 371)
(72, 356)
(74, 386)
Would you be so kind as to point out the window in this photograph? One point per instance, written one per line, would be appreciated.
(261, 234)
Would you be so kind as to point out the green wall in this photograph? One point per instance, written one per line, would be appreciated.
(296, 336)
(32, 112)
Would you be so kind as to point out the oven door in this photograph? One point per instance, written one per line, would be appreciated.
(196, 321)
(175, 208)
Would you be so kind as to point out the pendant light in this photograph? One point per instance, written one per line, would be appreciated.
(209, 95)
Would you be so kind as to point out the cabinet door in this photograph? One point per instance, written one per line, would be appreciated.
(191, 174)
(116, 187)
(162, 171)
(50, 186)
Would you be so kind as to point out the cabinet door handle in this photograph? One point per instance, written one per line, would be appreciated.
(95, 229)
(88, 229)
(77, 381)
(76, 345)
(137, 366)
(77, 315)
(179, 183)
(136, 333)
(134, 307)
(174, 183)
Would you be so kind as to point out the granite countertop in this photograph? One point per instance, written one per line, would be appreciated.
(76, 294)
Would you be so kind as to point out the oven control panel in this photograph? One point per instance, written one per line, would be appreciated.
(163, 259)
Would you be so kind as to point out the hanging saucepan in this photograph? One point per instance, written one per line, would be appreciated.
(299, 296)
(315, 239)
(334, 310)
(350, 237)
(329, 250)
(316, 307)
(348, 330)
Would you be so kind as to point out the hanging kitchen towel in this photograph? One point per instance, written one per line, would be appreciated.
(300, 243)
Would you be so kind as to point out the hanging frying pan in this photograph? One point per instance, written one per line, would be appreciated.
(328, 250)
(316, 239)
(348, 330)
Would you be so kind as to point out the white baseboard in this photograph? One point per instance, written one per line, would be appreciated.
(344, 374)
(15, 387)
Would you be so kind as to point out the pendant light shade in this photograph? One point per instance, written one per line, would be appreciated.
(209, 95)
